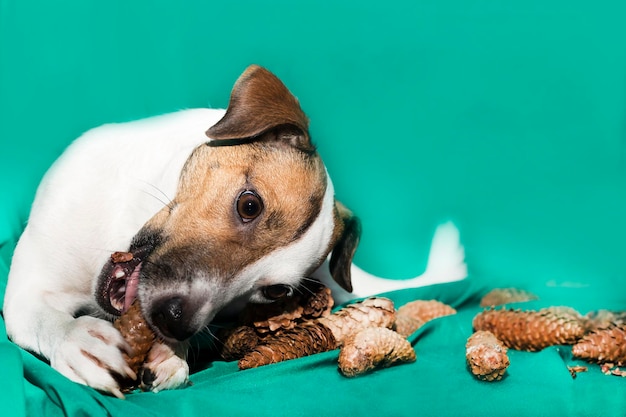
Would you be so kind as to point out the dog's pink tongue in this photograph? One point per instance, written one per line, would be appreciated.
(132, 284)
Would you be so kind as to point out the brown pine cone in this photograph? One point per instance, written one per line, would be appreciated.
(603, 346)
(371, 312)
(486, 356)
(500, 296)
(530, 330)
(564, 311)
(371, 348)
(308, 338)
(319, 303)
(314, 300)
(139, 336)
(236, 342)
(425, 310)
(405, 325)
(270, 318)
(604, 319)
(322, 334)
(121, 257)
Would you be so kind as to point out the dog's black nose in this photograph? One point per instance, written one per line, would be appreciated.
(172, 317)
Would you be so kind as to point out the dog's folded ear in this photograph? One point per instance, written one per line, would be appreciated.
(261, 108)
(348, 234)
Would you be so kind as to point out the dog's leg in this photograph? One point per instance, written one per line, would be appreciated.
(40, 316)
(166, 367)
(86, 350)
(446, 263)
(90, 352)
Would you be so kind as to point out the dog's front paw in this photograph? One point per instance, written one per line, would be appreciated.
(165, 368)
(90, 353)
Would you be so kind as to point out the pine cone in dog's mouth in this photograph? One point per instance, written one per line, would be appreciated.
(119, 280)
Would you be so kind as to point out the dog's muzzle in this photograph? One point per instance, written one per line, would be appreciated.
(119, 279)
(118, 284)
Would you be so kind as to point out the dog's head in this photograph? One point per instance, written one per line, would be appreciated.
(254, 214)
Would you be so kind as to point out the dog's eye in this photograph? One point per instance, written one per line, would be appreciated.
(276, 292)
(249, 205)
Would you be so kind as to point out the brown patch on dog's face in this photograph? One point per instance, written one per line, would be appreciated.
(205, 213)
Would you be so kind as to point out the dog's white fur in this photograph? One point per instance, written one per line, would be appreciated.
(68, 238)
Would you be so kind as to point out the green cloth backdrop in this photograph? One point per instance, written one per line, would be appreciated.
(507, 117)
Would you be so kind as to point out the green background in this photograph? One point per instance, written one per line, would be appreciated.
(508, 117)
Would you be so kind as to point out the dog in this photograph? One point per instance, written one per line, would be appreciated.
(241, 212)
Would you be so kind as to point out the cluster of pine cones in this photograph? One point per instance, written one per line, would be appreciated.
(303, 325)
(596, 337)
(370, 333)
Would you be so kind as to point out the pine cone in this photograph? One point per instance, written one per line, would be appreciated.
(425, 310)
(372, 348)
(237, 342)
(564, 311)
(405, 325)
(604, 319)
(309, 338)
(530, 330)
(371, 312)
(486, 356)
(318, 304)
(412, 315)
(312, 301)
(603, 346)
(500, 296)
(139, 336)
(121, 257)
(322, 334)
(269, 318)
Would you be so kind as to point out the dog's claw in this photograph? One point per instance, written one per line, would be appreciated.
(146, 378)
(118, 393)
(131, 374)
(165, 368)
(90, 354)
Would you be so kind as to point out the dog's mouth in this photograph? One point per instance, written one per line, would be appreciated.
(118, 283)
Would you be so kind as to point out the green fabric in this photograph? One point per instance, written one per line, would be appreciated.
(506, 117)
(438, 383)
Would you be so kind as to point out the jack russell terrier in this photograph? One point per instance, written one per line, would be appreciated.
(244, 211)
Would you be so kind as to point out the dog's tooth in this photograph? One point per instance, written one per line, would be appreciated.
(120, 274)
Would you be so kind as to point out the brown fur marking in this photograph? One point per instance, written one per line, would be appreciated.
(205, 215)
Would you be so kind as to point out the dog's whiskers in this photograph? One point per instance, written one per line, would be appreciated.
(304, 287)
(169, 205)
(213, 338)
(309, 279)
(164, 198)
(202, 341)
